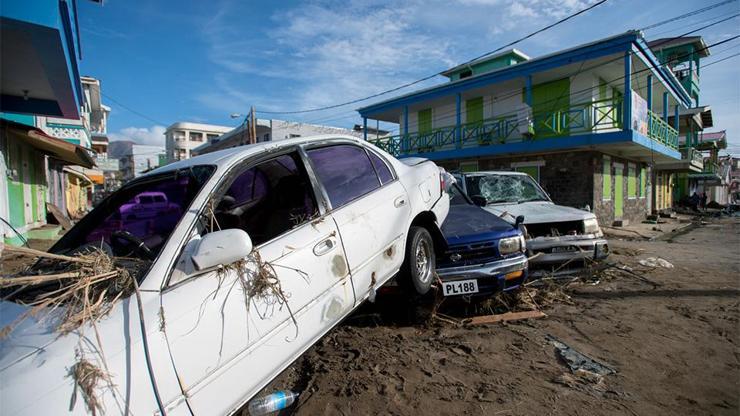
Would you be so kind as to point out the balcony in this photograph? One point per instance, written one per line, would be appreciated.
(591, 117)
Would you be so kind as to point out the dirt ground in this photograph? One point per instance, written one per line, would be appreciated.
(670, 334)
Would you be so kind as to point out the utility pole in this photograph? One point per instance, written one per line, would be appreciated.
(252, 127)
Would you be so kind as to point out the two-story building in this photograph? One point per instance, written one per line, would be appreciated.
(587, 122)
(182, 137)
(40, 50)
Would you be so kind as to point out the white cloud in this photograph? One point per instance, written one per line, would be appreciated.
(153, 135)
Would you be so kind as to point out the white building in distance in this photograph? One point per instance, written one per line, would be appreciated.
(182, 137)
(270, 130)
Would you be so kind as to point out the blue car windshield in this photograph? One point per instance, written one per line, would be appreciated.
(503, 188)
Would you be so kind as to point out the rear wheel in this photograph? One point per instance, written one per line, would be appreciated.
(417, 271)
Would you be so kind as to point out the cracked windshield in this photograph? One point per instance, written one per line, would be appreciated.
(498, 189)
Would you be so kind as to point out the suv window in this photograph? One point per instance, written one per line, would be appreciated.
(268, 199)
(345, 171)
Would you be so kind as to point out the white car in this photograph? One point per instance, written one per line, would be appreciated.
(334, 217)
(555, 233)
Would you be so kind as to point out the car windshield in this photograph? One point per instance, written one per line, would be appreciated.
(502, 188)
(146, 211)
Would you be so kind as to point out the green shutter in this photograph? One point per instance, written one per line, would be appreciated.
(533, 171)
(467, 167)
(643, 182)
(618, 193)
(425, 121)
(607, 180)
(631, 183)
(550, 102)
(474, 110)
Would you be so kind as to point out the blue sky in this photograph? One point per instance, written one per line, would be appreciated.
(174, 61)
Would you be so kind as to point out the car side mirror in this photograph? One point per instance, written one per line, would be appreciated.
(220, 248)
(479, 200)
(519, 220)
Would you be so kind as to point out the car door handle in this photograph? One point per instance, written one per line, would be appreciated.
(399, 201)
(324, 246)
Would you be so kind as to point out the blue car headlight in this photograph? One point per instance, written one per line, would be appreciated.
(510, 245)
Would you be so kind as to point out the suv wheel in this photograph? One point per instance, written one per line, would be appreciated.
(417, 271)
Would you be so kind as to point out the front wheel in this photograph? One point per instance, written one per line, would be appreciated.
(419, 263)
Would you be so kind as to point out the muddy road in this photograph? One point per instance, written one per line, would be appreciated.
(671, 334)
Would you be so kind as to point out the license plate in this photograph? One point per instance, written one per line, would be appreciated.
(460, 287)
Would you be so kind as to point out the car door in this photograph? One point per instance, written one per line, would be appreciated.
(227, 337)
(370, 207)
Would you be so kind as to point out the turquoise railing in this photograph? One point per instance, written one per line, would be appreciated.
(660, 131)
(588, 117)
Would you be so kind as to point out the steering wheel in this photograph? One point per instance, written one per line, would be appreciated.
(139, 245)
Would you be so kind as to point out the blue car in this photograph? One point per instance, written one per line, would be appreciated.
(485, 254)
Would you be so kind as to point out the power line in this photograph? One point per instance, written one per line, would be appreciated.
(517, 91)
(723, 59)
(675, 18)
(144, 116)
(689, 14)
(550, 26)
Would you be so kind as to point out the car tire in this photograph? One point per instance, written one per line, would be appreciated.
(417, 271)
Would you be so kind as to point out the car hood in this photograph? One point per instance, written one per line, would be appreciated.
(537, 212)
(467, 223)
(29, 337)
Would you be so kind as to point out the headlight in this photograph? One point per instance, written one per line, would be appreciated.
(591, 226)
(509, 245)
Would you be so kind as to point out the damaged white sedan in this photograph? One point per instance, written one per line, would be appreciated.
(560, 238)
(259, 251)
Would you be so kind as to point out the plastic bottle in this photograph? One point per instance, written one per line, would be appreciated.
(272, 403)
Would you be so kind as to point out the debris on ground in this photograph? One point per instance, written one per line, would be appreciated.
(504, 317)
(656, 262)
(578, 362)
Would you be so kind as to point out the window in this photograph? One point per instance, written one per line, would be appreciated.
(133, 209)
(606, 176)
(293, 136)
(345, 171)
(466, 73)
(178, 135)
(530, 168)
(210, 137)
(631, 182)
(474, 110)
(381, 168)
(467, 167)
(425, 121)
(504, 188)
(268, 199)
(643, 182)
(196, 136)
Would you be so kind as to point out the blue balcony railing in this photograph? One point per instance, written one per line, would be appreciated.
(583, 118)
(660, 131)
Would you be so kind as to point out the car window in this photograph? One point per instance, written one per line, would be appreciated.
(345, 171)
(146, 199)
(268, 199)
(500, 188)
(125, 211)
(381, 168)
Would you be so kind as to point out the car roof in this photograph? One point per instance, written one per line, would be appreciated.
(226, 157)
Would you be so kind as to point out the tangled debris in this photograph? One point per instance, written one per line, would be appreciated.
(86, 377)
(259, 281)
(87, 284)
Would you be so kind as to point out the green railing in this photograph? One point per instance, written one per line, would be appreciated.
(660, 131)
(581, 118)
